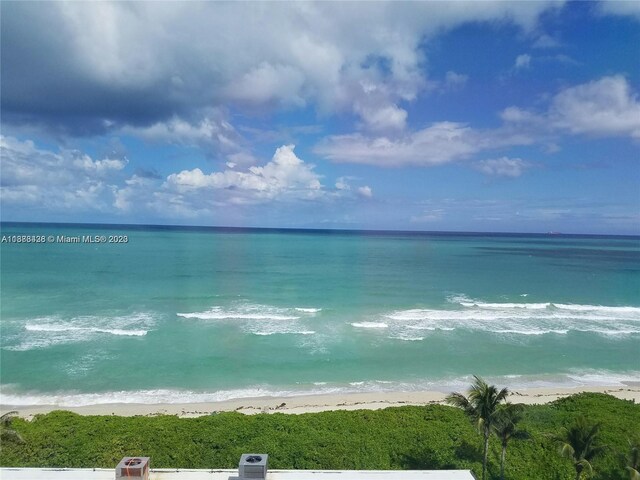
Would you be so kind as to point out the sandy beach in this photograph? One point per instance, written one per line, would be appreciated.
(314, 403)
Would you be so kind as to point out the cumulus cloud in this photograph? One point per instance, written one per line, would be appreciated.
(388, 117)
(266, 83)
(437, 144)
(211, 130)
(603, 107)
(51, 182)
(365, 191)
(284, 176)
(502, 167)
(83, 77)
(342, 184)
(67, 179)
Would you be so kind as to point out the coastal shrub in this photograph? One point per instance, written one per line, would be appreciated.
(427, 437)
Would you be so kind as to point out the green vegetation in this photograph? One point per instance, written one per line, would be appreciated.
(481, 406)
(429, 437)
(8, 434)
(633, 459)
(579, 443)
(506, 429)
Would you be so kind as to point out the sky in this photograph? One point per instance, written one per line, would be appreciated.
(431, 116)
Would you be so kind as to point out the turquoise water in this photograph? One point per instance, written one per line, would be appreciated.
(178, 314)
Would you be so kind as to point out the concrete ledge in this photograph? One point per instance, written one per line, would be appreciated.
(175, 474)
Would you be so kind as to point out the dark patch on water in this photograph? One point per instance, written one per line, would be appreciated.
(582, 254)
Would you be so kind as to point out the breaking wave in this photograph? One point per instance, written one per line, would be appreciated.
(509, 319)
(258, 319)
(44, 332)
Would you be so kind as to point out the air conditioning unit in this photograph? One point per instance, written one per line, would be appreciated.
(253, 465)
(133, 468)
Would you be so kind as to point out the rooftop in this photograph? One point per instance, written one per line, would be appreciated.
(168, 474)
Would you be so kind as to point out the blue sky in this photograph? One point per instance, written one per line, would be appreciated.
(481, 116)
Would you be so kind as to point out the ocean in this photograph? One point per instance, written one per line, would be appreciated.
(184, 314)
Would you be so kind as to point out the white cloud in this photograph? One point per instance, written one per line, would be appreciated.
(211, 130)
(342, 184)
(546, 41)
(67, 179)
(190, 56)
(453, 80)
(388, 117)
(99, 167)
(440, 143)
(502, 167)
(605, 107)
(286, 176)
(266, 83)
(523, 61)
(365, 191)
(516, 115)
(620, 7)
(59, 182)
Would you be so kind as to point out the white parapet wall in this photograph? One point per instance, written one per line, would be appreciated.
(168, 474)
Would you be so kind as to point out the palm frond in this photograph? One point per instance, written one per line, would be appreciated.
(567, 450)
(11, 436)
(586, 466)
(6, 418)
(457, 400)
(633, 473)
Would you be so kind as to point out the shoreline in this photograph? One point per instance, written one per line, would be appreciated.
(315, 403)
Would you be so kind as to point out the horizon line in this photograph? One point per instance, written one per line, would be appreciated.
(313, 229)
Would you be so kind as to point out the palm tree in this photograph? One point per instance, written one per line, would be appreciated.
(633, 460)
(6, 432)
(505, 427)
(579, 444)
(481, 406)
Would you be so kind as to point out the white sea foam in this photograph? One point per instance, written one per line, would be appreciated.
(44, 332)
(308, 310)
(532, 332)
(217, 313)
(11, 397)
(71, 328)
(249, 311)
(369, 325)
(407, 338)
(511, 319)
(288, 332)
(261, 320)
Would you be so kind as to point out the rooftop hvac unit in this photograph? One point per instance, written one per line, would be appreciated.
(133, 468)
(253, 465)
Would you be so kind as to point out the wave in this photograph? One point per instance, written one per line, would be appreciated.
(248, 311)
(262, 320)
(509, 319)
(603, 309)
(12, 397)
(289, 332)
(219, 314)
(44, 332)
(69, 328)
(369, 325)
